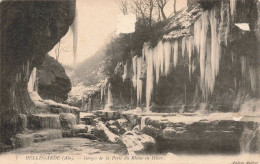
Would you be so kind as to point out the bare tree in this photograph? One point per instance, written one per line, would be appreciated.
(174, 7)
(123, 5)
(161, 5)
(150, 6)
(144, 9)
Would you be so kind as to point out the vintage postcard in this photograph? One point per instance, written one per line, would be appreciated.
(130, 81)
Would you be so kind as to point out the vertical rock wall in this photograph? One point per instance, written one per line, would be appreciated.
(29, 29)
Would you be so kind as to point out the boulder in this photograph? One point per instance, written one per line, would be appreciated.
(103, 133)
(79, 128)
(90, 128)
(123, 122)
(107, 115)
(53, 83)
(115, 127)
(138, 143)
(136, 129)
(96, 121)
(87, 118)
(67, 121)
(112, 123)
(132, 118)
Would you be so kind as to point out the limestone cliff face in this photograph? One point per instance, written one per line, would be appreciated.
(53, 83)
(203, 54)
(29, 29)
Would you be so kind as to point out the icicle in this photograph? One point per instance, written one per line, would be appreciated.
(142, 125)
(175, 53)
(158, 60)
(190, 47)
(134, 64)
(197, 31)
(139, 81)
(167, 53)
(235, 81)
(124, 76)
(149, 75)
(243, 66)
(32, 81)
(183, 44)
(227, 28)
(209, 76)
(16, 78)
(23, 67)
(222, 13)
(160, 54)
(193, 67)
(232, 56)
(203, 37)
(252, 73)
(109, 98)
(27, 70)
(233, 7)
(101, 93)
(209, 50)
(215, 45)
(74, 29)
(224, 21)
(156, 63)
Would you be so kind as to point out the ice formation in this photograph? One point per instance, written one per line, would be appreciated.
(233, 4)
(204, 46)
(205, 41)
(175, 54)
(74, 29)
(148, 53)
(208, 47)
(139, 82)
(32, 85)
(124, 76)
(109, 97)
(190, 49)
(183, 46)
(134, 64)
(167, 53)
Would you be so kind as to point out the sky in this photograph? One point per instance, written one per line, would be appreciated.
(97, 20)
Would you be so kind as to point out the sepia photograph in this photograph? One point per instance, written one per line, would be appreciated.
(130, 81)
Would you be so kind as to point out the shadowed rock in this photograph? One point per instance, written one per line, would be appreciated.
(53, 83)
